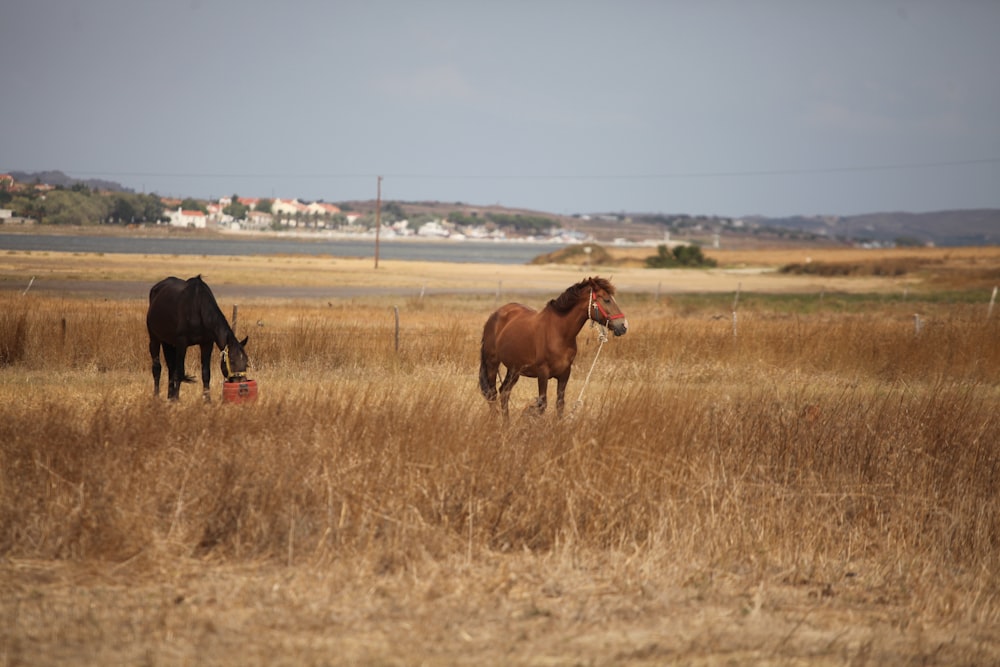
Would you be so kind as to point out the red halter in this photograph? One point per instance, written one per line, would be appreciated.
(594, 303)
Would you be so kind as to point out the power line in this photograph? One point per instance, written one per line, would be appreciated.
(898, 166)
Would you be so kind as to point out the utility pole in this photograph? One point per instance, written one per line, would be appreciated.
(378, 217)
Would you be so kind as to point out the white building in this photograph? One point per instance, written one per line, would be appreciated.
(182, 218)
(432, 228)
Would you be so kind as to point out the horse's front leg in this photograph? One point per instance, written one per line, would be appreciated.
(543, 394)
(561, 383)
(206, 371)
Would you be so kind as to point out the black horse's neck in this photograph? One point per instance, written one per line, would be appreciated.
(228, 338)
(221, 331)
(213, 319)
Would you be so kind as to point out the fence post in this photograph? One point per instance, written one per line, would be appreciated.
(395, 309)
(993, 300)
(736, 301)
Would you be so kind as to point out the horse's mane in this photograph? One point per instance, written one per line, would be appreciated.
(568, 299)
(208, 307)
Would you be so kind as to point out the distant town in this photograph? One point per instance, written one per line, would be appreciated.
(53, 198)
(47, 203)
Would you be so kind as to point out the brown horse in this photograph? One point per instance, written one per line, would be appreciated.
(542, 344)
(183, 313)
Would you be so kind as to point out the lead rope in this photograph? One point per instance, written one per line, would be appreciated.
(602, 336)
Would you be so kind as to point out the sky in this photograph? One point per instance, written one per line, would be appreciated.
(730, 108)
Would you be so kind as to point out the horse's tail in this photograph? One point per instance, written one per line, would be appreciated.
(488, 388)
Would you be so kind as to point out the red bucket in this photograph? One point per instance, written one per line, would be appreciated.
(244, 391)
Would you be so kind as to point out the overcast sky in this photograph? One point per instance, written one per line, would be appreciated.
(726, 108)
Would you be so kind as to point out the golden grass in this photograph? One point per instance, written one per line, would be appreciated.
(751, 271)
(780, 257)
(818, 488)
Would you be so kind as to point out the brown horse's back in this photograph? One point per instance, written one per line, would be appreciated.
(513, 335)
(519, 338)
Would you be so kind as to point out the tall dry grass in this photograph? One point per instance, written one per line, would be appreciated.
(845, 449)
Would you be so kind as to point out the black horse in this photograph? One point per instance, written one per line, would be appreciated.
(183, 313)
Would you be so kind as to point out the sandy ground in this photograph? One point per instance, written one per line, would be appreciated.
(130, 276)
(307, 277)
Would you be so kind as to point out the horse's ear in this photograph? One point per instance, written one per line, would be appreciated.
(244, 341)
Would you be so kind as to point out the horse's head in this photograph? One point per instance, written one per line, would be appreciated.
(603, 308)
(234, 360)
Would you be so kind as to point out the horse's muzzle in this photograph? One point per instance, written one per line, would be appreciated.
(619, 327)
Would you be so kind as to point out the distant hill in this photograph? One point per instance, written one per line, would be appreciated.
(969, 227)
(944, 228)
(58, 178)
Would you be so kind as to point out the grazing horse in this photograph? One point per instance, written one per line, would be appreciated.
(183, 313)
(542, 344)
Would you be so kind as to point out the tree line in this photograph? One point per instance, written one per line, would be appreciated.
(79, 205)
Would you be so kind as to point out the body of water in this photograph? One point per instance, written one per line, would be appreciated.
(479, 252)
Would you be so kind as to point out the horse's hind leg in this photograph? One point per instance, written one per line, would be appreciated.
(506, 386)
(154, 352)
(175, 370)
(206, 371)
(488, 385)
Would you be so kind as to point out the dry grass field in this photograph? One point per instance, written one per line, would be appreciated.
(815, 483)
